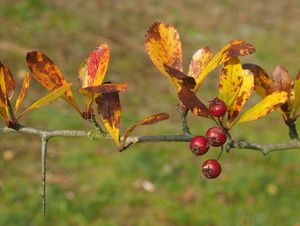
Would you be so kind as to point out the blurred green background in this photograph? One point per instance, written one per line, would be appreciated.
(90, 182)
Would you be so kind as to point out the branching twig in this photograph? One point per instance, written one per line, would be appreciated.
(240, 144)
(45, 135)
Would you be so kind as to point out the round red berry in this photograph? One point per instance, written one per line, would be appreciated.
(86, 115)
(216, 136)
(217, 107)
(199, 145)
(211, 168)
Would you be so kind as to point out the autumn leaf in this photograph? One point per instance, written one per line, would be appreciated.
(23, 91)
(109, 109)
(93, 69)
(281, 80)
(47, 99)
(231, 79)
(8, 80)
(262, 81)
(190, 101)
(163, 46)
(265, 106)
(106, 88)
(295, 101)
(146, 121)
(242, 96)
(7, 87)
(199, 61)
(233, 49)
(45, 72)
(180, 78)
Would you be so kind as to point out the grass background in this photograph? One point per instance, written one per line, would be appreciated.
(89, 182)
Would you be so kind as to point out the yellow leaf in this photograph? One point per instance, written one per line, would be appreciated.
(164, 48)
(232, 49)
(265, 106)
(262, 81)
(23, 91)
(230, 80)
(242, 97)
(146, 121)
(109, 108)
(47, 99)
(295, 100)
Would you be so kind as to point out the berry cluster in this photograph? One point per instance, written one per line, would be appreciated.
(215, 137)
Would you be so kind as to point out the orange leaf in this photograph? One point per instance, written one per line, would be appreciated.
(93, 69)
(92, 92)
(164, 48)
(232, 49)
(106, 88)
(23, 91)
(146, 121)
(199, 61)
(109, 108)
(190, 101)
(46, 72)
(262, 81)
(7, 86)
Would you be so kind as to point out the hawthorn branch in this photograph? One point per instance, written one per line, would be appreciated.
(263, 148)
(233, 144)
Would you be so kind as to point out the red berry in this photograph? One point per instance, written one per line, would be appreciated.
(211, 169)
(86, 115)
(217, 107)
(217, 136)
(199, 145)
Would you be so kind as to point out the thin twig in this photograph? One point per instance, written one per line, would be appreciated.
(43, 171)
(240, 144)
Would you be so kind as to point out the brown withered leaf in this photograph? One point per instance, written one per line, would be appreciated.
(163, 46)
(146, 121)
(199, 61)
(281, 80)
(107, 88)
(45, 72)
(180, 77)
(23, 91)
(109, 109)
(190, 101)
(262, 81)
